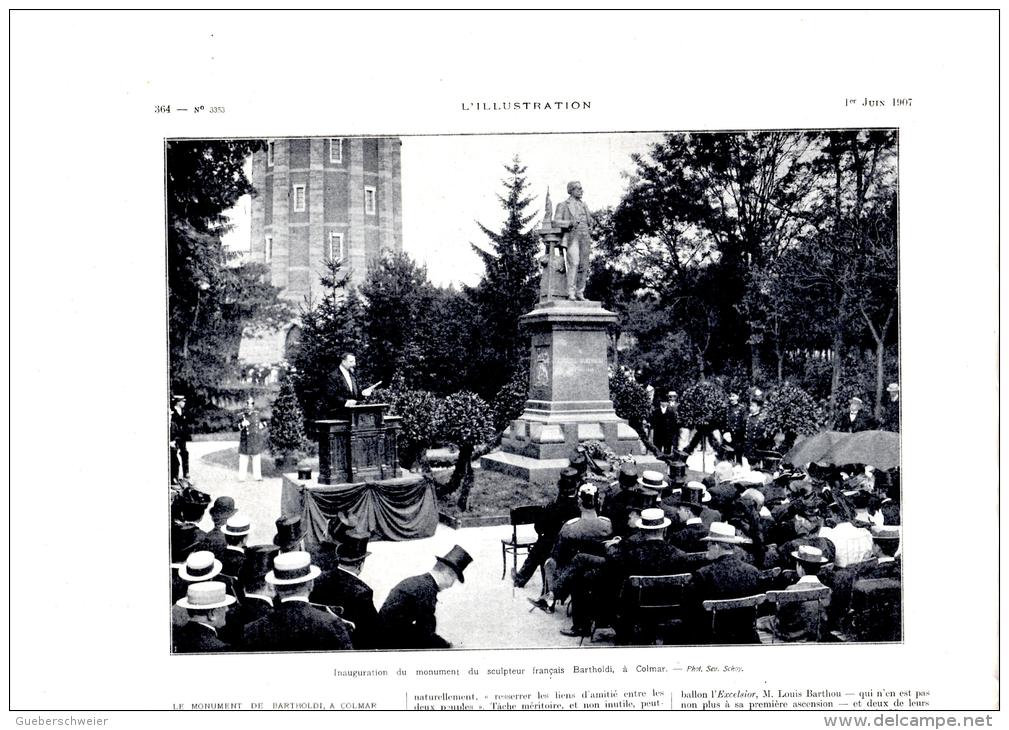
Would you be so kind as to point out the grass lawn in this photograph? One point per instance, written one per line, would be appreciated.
(228, 458)
(494, 494)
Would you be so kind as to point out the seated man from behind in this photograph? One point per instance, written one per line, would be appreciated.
(726, 576)
(295, 624)
(579, 535)
(343, 587)
(806, 620)
(207, 605)
(551, 519)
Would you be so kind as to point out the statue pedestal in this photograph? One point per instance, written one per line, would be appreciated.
(569, 395)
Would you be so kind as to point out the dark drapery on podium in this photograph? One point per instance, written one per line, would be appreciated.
(396, 509)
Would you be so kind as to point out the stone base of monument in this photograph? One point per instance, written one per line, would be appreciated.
(569, 398)
(546, 471)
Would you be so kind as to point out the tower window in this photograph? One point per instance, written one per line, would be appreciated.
(299, 198)
(269, 249)
(334, 247)
(335, 149)
(269, 154)
(369, 200)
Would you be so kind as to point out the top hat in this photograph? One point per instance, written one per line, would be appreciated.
(724, 532)
(292, 568)
(200, 566)
(642, 499)
(352, 547)
(258, 560)
(205, 596)
(652, 518)
(185, 537)
(809, 554)
(288, 532)
(691, 494)
(341, 526)
(224, 507)
(677, 471)
(628, 475)
(237, 525)
(579, 463)
(457, 559)
(652, 480)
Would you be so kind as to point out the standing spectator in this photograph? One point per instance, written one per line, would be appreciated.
(250, 442)
(665, 425)
(753, 434)
(180, 435)
(855, 419)
(891, 409)
(734, 433)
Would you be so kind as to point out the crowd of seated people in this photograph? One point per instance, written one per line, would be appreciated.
(230, 596)
(811, 554)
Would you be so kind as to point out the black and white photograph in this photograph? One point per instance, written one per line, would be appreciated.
(607, 389)
(537, 360)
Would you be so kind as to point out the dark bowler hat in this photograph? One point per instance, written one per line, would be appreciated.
(352, 548)
(224, 507)
(184, 541)
(258, 561)
(457, 559)
(192, 504)
(288, 532)
(627, 477)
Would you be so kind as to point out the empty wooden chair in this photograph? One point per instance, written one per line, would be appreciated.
(733, 620)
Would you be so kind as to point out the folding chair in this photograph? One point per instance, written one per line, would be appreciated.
(819, 596)
(519, 516)
(649, 604)
(737, 624)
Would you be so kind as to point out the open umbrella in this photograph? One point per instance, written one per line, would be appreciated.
(880, 449)
(813, 449)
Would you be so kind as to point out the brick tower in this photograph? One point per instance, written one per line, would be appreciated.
(322, 198)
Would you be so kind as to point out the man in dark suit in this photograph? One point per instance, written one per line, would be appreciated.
(236, 533)
(187, 512)
(180, 433)
(805, 620)
(552, 518)
(257, 594)
(408, 614)
(891, 408)
(342, 388)
(220, 512)
(665, 425)
(295, 624)
(734, 434)
(855, 419)
(344, 588)
(726, 576)
(207, 605)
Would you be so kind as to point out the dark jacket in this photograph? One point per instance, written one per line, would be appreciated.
(689, 538)
(726, 577)
(194, 637)
(665, 427)
(297, 626)
(180, 430)
(408, 615)
(735, 421)
(232, 562)
(651, 557)
(338, 392)
(862, 422)
(355, 597)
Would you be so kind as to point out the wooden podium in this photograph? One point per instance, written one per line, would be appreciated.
(359, 447)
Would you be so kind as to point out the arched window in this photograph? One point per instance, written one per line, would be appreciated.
(291, 342)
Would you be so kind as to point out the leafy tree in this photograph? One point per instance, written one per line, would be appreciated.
(630, 400)
(509, 288)
(419, 428)
(465, 420)
(210, 300)
(287, 427)
(703, 404)
(510, 400)
(790, 411)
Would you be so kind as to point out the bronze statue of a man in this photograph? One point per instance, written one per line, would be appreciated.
(574, 219)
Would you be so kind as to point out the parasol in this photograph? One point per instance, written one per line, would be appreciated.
(880, 449)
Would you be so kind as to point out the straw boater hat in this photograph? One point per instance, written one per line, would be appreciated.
(292, 568)
(886, 533)
(724, 532)
(237, 525)
(200, 566)
(652, 519)
(855, 400)
(809, 554)
(892, 388)
(205, 596)
(653, 480)
(457, 559)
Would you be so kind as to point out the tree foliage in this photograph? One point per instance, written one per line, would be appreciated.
(210, 300)
(287, 426)
(703, 404)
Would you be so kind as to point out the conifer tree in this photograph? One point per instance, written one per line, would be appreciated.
(287, 431)
(509, 288)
